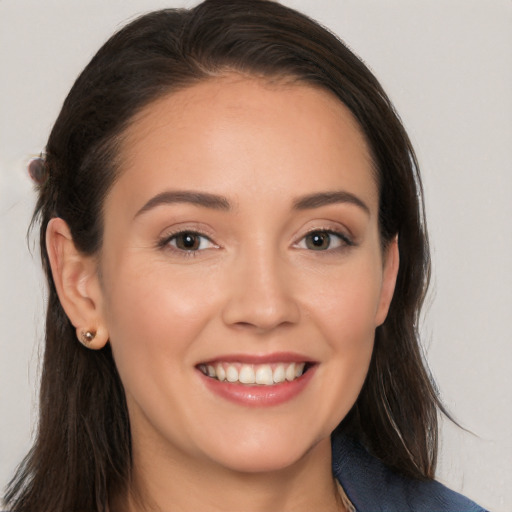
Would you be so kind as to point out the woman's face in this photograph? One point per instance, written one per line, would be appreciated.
(241, 248)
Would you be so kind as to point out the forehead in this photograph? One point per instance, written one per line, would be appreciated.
(248, 132)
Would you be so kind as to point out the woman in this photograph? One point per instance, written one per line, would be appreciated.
(231, 227)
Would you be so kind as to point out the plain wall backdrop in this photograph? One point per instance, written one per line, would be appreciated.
(447, 66)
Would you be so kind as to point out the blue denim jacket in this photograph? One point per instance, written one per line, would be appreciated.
(372, 487)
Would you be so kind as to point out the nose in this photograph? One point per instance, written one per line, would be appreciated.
(260, 293)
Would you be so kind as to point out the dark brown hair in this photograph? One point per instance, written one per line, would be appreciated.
(82, 454)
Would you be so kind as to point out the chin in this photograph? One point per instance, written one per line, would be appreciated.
(271, 455)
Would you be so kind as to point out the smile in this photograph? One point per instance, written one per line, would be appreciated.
(264, 380)
(254, 374)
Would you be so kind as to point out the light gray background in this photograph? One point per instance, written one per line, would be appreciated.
(447, 65)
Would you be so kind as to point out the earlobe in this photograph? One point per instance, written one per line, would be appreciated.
(76, 281)
(91, 338)
(390, 273)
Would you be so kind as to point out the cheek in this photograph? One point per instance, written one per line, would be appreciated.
(154, 317)
(344, 311)
(345, 317)
(346, 303)
(348, 326)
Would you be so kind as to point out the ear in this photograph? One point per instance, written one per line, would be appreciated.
(390, 271)
(76, 279)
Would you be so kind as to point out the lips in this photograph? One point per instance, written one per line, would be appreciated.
(257, 380)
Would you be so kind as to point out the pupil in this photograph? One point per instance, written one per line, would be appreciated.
(318, 241)
(188, 241)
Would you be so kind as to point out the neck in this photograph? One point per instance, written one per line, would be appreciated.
(161, 484)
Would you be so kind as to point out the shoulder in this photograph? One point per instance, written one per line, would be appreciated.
(372, 487)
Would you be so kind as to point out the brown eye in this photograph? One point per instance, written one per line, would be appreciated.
(318, 240)
(323, 240)
(189, 241)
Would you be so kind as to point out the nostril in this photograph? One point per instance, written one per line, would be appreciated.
(259, 326)
(251, 313)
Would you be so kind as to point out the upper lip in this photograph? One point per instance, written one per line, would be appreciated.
(275, 357)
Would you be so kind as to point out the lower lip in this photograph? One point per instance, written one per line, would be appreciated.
(258, 395)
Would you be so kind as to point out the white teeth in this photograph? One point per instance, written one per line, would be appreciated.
(290, 372)
(231, 374)
(261, 374)
(246, 374)
(264, 375)
(279, 374)
(221, 374)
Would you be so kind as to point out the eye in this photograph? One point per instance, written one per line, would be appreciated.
(189, 241)
(322, 240)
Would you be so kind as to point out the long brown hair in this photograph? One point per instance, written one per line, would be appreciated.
(82, 452)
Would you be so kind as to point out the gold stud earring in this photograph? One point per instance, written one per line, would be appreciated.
(86, 337)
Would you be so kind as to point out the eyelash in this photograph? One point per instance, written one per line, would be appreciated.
(344, 240)
(165, 242)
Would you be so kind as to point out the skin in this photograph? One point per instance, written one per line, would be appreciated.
(255, 286)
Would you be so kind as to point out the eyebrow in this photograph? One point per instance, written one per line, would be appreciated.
(217, 202)
(203, 199)
(326, 198)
